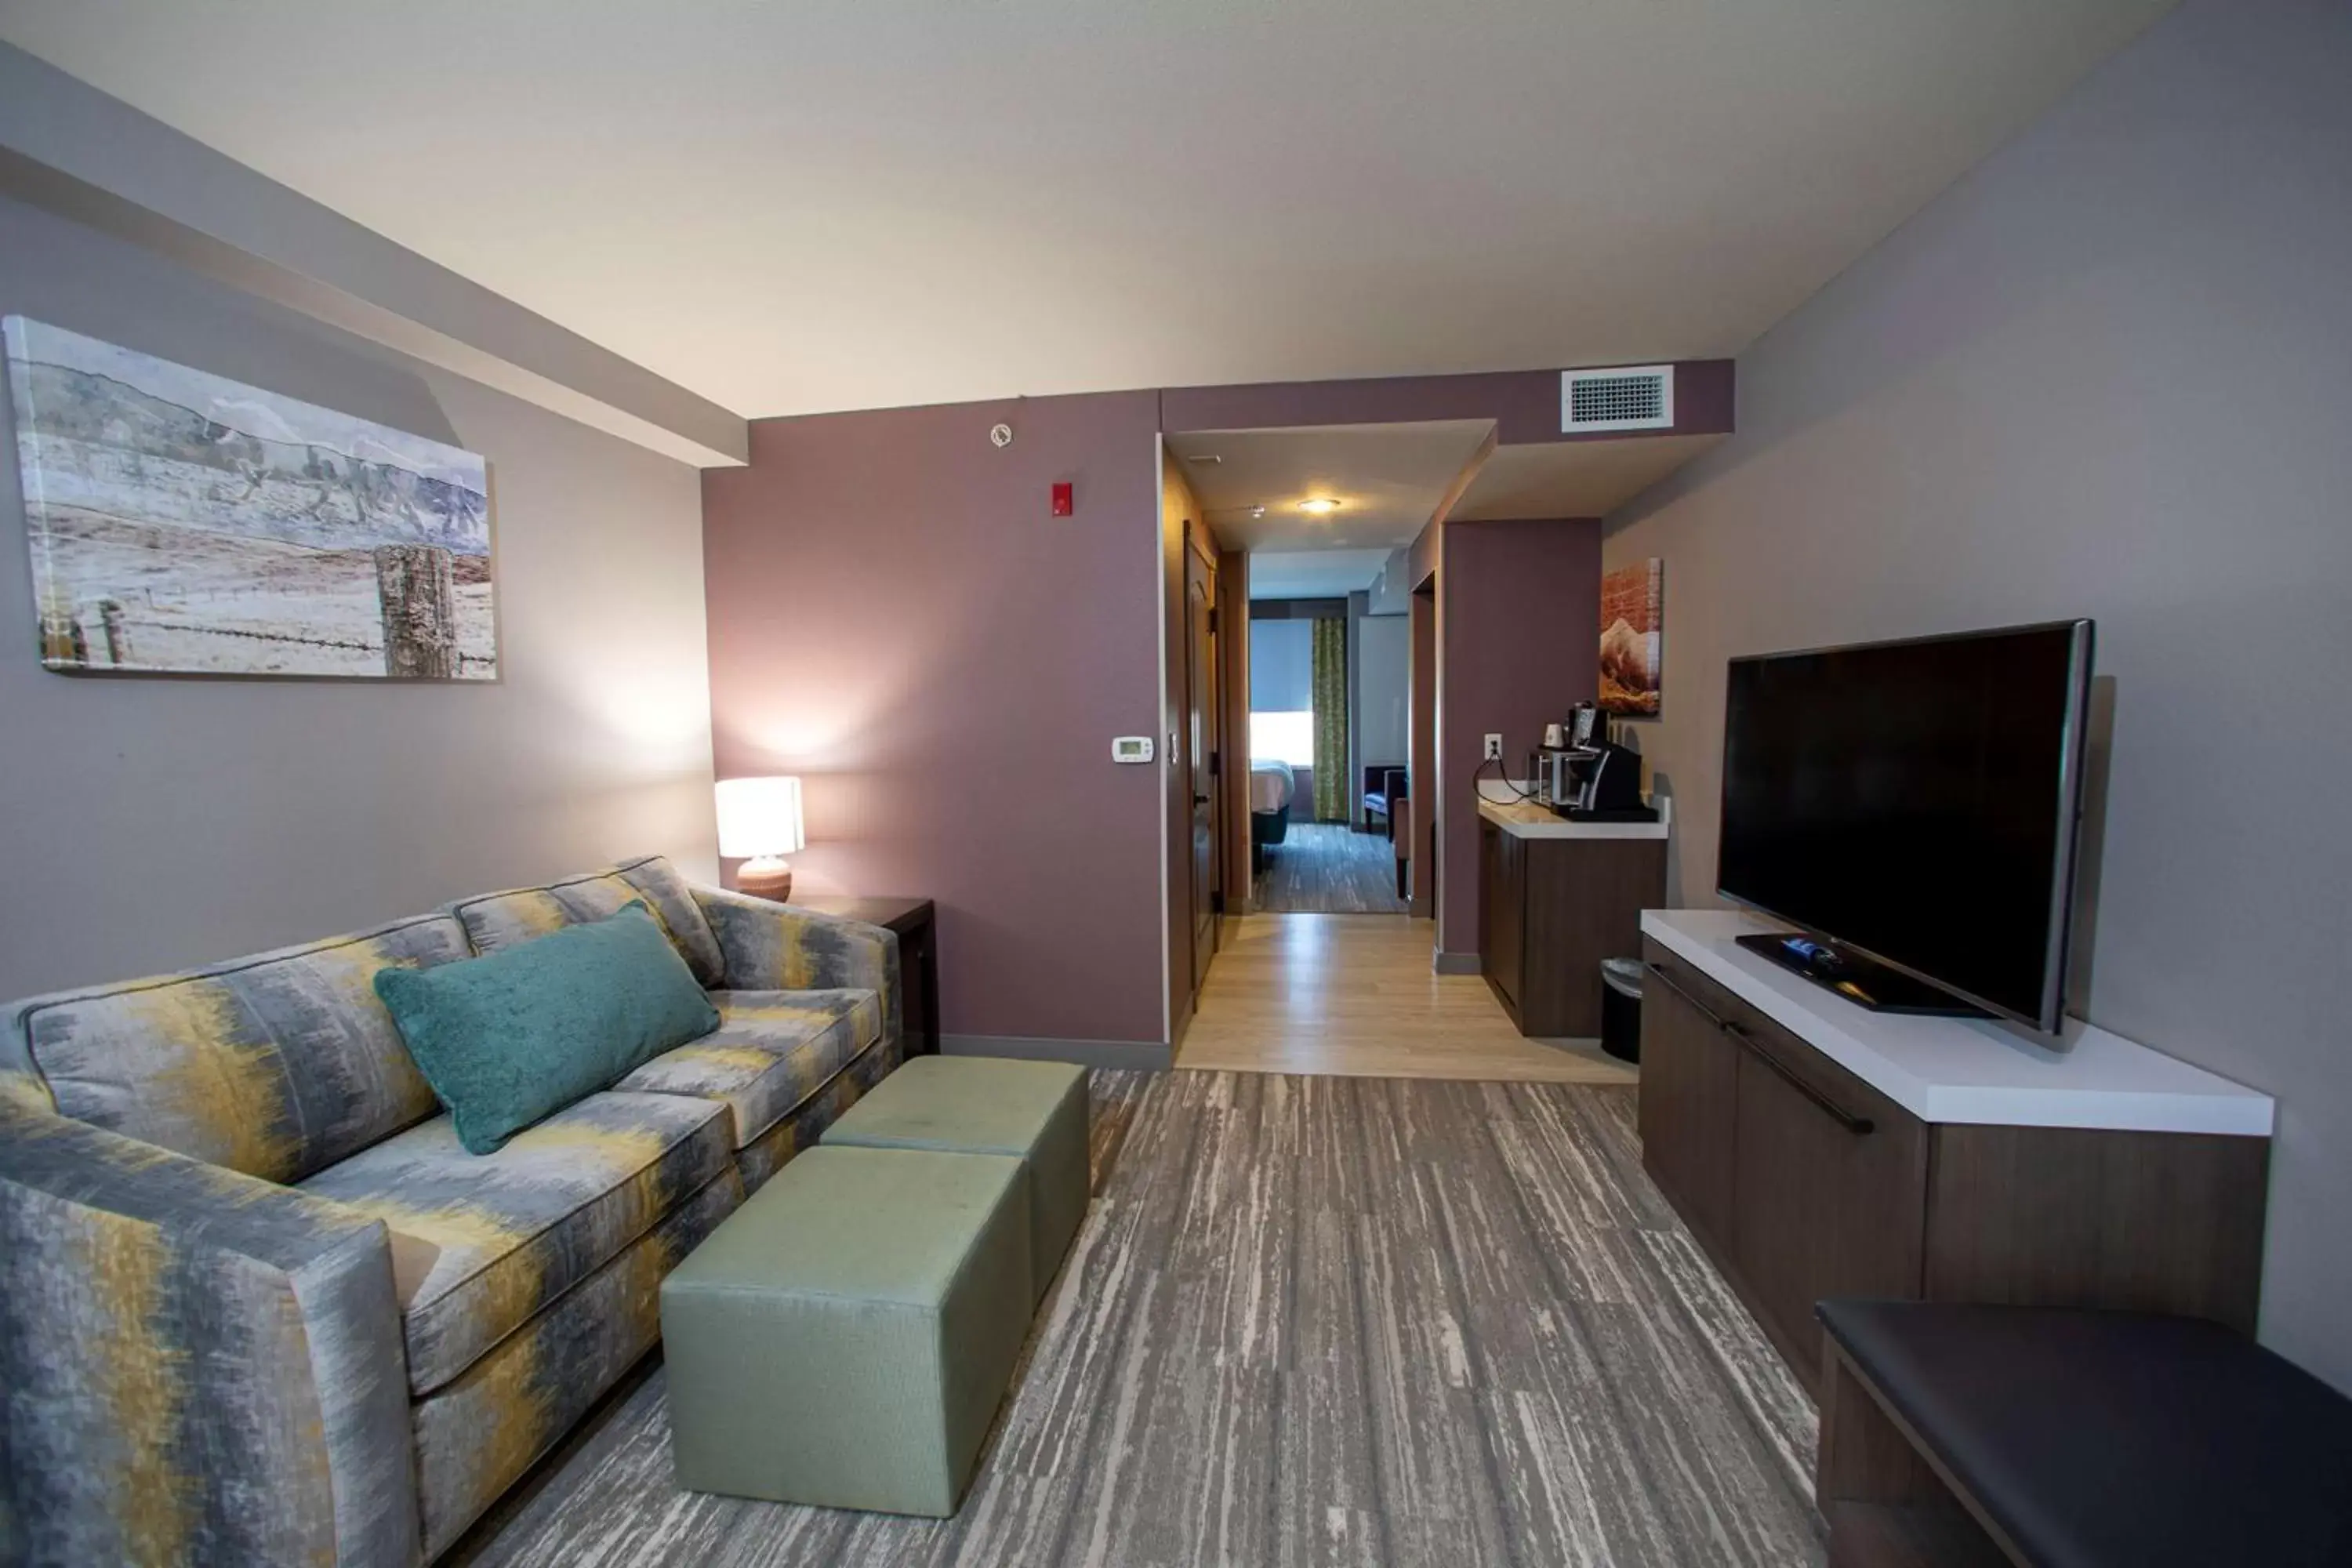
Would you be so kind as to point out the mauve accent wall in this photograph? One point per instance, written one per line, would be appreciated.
(896, 617)
(1520, 625)
(2107, 373)
(1524, 404)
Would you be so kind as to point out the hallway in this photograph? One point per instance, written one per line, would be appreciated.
(1328, 868)
(1354, 996)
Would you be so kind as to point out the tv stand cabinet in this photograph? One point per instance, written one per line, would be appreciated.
(1816, 1149)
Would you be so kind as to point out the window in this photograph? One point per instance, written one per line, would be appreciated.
(1282, 692)
(1287, 737)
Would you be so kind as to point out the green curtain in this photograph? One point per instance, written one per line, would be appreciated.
(1330, 720)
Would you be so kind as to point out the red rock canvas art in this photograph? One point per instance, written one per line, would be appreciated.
(1632, 622)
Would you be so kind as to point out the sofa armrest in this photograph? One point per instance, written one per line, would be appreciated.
(195, 1365)
(770, 946)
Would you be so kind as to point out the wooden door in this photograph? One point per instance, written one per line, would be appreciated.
(1200, 705)
(1422, 753)
(1829, 1179)
(1687, 1107)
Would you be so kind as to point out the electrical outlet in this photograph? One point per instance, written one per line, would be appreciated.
(1493, 748)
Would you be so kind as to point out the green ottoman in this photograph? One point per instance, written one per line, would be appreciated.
(844, 1337)
(986, 1105)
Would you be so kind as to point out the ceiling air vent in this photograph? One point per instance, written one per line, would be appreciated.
(1633, 397)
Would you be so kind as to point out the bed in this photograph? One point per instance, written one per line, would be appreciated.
(1271, 783)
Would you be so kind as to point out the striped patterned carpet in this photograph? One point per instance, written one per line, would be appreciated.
(1311, 1320)
(1329, 868)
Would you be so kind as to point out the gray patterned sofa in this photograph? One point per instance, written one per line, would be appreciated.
(257, 1306)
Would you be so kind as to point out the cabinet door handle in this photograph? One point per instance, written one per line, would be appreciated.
(1666, 978)
(1860, 1126)
(1857, 1125)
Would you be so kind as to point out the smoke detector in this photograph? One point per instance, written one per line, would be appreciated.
(1631, 397)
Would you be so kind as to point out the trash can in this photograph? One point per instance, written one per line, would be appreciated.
(1621, 1008)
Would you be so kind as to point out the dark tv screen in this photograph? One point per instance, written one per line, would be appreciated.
(1916, 801)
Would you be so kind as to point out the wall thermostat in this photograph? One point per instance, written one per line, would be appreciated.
(1132, 749)
(1000, 433)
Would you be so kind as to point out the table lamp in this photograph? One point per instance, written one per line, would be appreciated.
(758, 823)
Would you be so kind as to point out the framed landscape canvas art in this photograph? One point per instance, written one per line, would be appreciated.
(1633, 620)
(183, 523)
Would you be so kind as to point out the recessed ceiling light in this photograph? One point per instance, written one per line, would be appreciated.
(1205, 457)
(1321, 506)
(1257, 512)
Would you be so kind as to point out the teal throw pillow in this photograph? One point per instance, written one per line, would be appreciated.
(512, 1038)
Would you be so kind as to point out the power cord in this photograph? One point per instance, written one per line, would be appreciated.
(1477, 783)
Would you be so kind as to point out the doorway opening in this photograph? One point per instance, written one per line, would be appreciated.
(1327, 752)
(1322, 521)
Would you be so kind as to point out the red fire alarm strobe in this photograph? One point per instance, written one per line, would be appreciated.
(1062, 504)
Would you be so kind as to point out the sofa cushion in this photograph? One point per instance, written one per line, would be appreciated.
(494, 922)
(276, 1066)
(518, 1228)
(510, 1037)
(772, 1051)
(478, 1434)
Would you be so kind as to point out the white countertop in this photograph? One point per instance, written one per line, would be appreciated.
(1966, 1069)
(1526, 820)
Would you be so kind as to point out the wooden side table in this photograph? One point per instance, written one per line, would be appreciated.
(918, 957)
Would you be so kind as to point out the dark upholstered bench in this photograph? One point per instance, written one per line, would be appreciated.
(1384, 790)
(1957, 1434)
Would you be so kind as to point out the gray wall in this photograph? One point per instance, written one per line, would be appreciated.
(1385, 651)
(154, 823)
(1357, 603)
(2108, 373)
(1379, 649)
(1390, 593)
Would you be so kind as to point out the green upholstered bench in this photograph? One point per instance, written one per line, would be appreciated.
(987, 1105)
(844, 1338)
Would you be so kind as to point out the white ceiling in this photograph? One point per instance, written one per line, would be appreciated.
(1388, 480)
(836, 204)
(1572, 478)
(1313, 575)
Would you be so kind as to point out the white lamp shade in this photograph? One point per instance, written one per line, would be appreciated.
(758, 817)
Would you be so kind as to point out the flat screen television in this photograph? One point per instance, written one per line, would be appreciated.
(1915, 805)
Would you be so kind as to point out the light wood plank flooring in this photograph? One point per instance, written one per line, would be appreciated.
(1353, 995)
(1328, 868)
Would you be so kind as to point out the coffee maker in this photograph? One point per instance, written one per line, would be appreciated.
(1604, 785)
(1555, 779)
(1579, 777)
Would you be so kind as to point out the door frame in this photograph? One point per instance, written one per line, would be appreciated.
(1422, 748)
(1233, 692)
(1204, 733)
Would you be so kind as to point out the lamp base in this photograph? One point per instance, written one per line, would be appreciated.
(765, 877)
